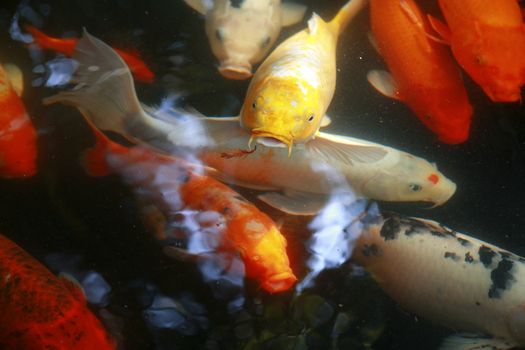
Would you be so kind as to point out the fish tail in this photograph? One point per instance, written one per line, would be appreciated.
(346, 14)
(93, 160)
(65, 46)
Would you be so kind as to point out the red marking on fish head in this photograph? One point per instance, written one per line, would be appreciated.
(434, 178)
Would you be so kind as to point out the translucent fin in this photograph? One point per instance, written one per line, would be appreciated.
(345, 150)
(383, 82)
(313, 23)
(295, 203)
(441, 28)
(346, 14)
(16, 78)
(292, 13)
(197, 5)
(325, 121)
(465, 341)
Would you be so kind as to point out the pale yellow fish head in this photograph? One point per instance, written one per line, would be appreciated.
(412, 179)
(284, 109)
(242, 36)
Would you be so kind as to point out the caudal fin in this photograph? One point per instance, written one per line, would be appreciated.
(65, 46)
(346, 14)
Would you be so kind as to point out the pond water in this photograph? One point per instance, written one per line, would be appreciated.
(81, 224)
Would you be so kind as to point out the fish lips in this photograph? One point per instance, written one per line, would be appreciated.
(235, 71)
(279, 282)
(270, 139)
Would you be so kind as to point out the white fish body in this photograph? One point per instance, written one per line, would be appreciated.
(107, 98)
(449, 278)
(241, 33)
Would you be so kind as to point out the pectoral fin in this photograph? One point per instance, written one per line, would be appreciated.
(344, 151)
(325, 121)
(442, 29)
(197, 5)
(292, 13)
(465, 341)
(383, 82)
(295, 203)
(16, 78)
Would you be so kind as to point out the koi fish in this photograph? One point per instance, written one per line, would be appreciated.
(424, 75)
(18, 149)
(176, 185)
(242, 32)
(41, 311)
(290, 92)
(488, 40)
(449, 278)
(138, 67)
(299, 183)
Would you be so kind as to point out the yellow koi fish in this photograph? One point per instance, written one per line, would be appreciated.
(291, 90)
(298, 183)
(242, 32)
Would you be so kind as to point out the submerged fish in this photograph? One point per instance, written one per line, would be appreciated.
(18, 148)
(449, 278)
(307, 176)
(174, 185)
(41, 311)
(488, 40)
(138, 67)
(424, 75)
(242, 32)
(290, 92)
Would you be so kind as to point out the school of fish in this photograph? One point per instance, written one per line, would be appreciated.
(182, 162)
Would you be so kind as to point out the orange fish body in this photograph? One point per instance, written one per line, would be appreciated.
(423, 74)
(138, 68)
(18, 148)
(41, 311)
(488, 40)
(246, 229)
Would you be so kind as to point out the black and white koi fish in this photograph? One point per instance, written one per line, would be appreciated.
(449, 278)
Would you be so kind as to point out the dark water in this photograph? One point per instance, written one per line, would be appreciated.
(62, 210)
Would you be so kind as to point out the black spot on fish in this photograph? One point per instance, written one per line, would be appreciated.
(463, 242)
(505, 255)
(500, 276)
(371, 250)
(390, 228)
(469, 258)
(451, 255)
(236, 3)
(226, 210)
(478, 303)
(485, 255)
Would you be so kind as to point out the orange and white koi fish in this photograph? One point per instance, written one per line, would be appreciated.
(423, 74)
(488, 40)
(242, 33)
(18, 148)
(449, 278)
(290, 92)
(305, 178)
(138, 67)
(242, 226)
(41, 311)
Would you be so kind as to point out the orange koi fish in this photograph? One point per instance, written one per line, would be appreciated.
(488, 40)
(138, 67)
(18, 149)
(422, 72)
(41, 311)
(243, 227)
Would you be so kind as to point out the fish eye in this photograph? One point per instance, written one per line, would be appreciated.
(311, 117)
(254, 105)
(415, 187)
(265, 42)
(219, 34)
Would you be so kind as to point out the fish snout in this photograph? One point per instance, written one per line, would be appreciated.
(446, 191)
(503, 92)
(279, 282)
(270, 139)
(236, 70)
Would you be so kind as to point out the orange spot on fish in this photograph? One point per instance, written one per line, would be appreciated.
(433, 178)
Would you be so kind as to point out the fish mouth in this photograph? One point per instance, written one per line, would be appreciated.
(279, 282)
(235, 71)
(269, 139)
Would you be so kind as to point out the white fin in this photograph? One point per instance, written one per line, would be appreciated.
(313, 23)
(16, 78)
(198, 5)
(383, 82)
(344, 150)
(466, 341)
(325, 121)
(292, 13)
(373, 42)
(295, 203)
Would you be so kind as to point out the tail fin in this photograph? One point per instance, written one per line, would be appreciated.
(105, 93)
(93, 160)
(346, 14)
(65, 46)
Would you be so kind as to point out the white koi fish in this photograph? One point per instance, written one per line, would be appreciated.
(449, 278)
(242, 32)
(299, 183)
